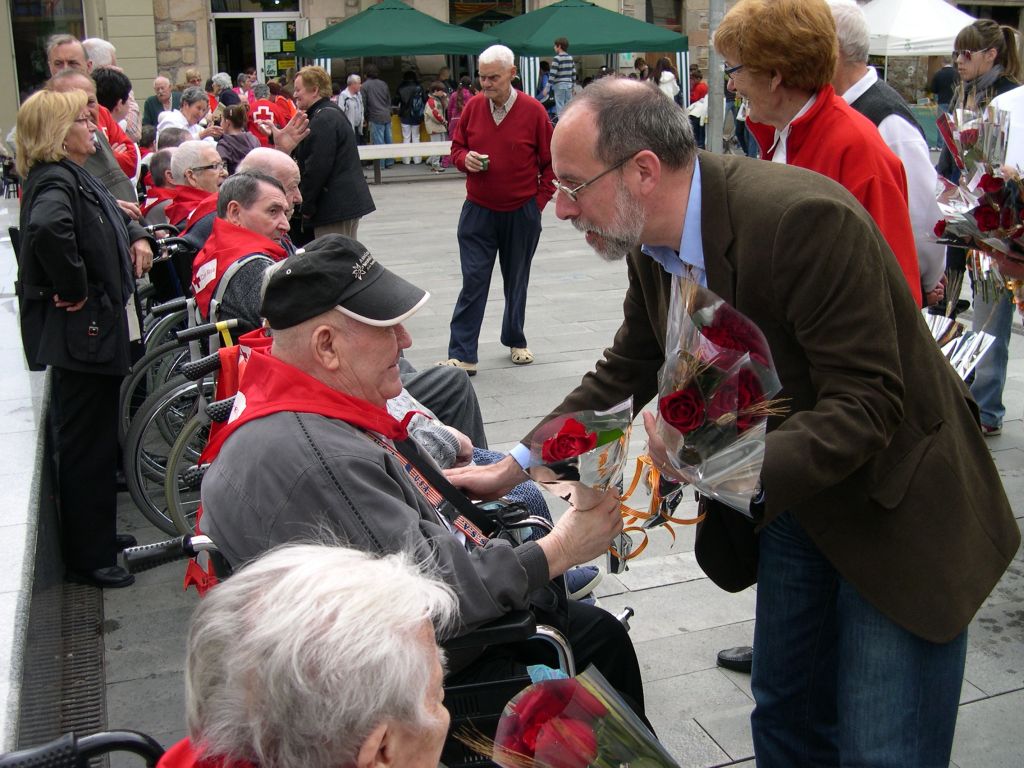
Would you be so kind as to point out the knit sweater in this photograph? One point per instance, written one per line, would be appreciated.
(519, 150)
(839, 142)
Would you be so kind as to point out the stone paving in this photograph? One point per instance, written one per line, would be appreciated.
(700, 711)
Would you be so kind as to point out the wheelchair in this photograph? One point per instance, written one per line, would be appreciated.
(71, 751)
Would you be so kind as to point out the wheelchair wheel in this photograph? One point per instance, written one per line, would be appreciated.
(151, 371)
(184, 474)
(148, 444)
(162, 331)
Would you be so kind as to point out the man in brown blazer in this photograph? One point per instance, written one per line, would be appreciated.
(883, 524)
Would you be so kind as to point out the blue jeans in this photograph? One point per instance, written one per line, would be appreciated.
(994, 316)
(380, 133)
(835, 682)
(563, 93)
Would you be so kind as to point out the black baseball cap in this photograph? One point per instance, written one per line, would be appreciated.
(335, 271)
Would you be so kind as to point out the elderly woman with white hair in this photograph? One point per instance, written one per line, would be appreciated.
(317, 657)
(194, 106)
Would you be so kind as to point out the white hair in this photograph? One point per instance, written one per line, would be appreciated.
(189, 154)
(498, 54)
(223, 79)
(852, 31)
(100, 52)
(297, 657)
(353, 78)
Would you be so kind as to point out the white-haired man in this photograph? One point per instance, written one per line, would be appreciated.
(66, 52)
(164, 99)
(310, 448)
(503, 144)
(859, 86)
(372, 698)
(351, 102)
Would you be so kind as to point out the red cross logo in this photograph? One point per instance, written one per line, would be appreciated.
(263, 112)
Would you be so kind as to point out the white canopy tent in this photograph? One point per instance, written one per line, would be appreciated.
(913, 27)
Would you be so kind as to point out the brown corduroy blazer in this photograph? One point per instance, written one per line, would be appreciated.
(880, 456)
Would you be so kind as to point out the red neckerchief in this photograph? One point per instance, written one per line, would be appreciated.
(268, 386)
(187, 201)
(226, 244)
(183, 755)
(155, 196)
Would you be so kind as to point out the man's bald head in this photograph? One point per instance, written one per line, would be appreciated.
(277, 164)
(73, 80)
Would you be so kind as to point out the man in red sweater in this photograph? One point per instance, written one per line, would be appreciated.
(502, 144)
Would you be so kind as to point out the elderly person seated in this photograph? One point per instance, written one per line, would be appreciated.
(366, 690)
(784, 71)
(248, 235)
(193, 108)
(198, 171)
(310, 448)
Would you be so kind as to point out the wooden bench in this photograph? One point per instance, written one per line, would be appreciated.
(381, 152)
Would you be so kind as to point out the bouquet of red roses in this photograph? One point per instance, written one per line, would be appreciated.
(579, 456)
(715, 395)
(574, 723)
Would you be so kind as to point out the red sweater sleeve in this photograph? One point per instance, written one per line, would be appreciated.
(115, 135)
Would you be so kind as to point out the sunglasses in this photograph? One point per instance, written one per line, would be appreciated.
(968, 55)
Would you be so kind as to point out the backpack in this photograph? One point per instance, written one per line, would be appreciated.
(416, 105)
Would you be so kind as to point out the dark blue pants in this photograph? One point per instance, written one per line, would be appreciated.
(836, 683)
(512, 236)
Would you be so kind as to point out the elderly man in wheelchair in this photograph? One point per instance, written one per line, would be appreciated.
(310, 450)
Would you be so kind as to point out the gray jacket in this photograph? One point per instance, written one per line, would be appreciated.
(378, 100)
(299, 476)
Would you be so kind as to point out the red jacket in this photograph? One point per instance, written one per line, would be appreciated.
(126, 158)
(519, 149)
(190, 204)
(227, 244)
(263, 109)
(839, 142)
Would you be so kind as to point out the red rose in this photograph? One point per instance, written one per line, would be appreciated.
(566, 699)
(748, 394)
(724, 400)
(987, 217)
(940, 227)
(730, 329)
(572, 440)
(969, 137)
(566, 743)
(684, 410)
(990, 184)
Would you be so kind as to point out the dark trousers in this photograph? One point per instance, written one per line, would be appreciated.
(84, 414)
(596, 637)
(512, 236)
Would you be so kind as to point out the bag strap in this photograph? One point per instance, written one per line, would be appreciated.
(411, 451)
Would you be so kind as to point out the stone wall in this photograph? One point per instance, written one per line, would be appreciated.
(182, 40)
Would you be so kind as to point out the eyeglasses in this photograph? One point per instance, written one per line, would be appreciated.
(968, 55)
(573, 192)
(85, 120)
(730, 71)
(222, 166)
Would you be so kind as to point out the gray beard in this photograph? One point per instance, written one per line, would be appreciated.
(625, 231)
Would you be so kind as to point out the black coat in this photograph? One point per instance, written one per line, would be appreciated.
(69, 249)
(333, 186)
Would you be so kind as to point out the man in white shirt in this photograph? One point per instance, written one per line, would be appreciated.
(859, 86)
(351, 102)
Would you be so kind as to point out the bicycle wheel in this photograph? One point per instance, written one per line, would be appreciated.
(184, 473)
(151, 371)
(148, 444)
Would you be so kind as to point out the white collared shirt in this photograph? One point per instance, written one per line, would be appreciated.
(782, 136)
(499, 113)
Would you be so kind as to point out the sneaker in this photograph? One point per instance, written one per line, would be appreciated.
(988, 431)
(581, 580)
(451, 362)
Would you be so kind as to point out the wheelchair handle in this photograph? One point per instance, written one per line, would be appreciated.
(199, 368)
(169, 306)
(147, 556)
(220, 410)
(165, 227)
(207, 329)
(70, 751)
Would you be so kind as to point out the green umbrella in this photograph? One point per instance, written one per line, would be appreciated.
(589, 28)
(391, 28)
